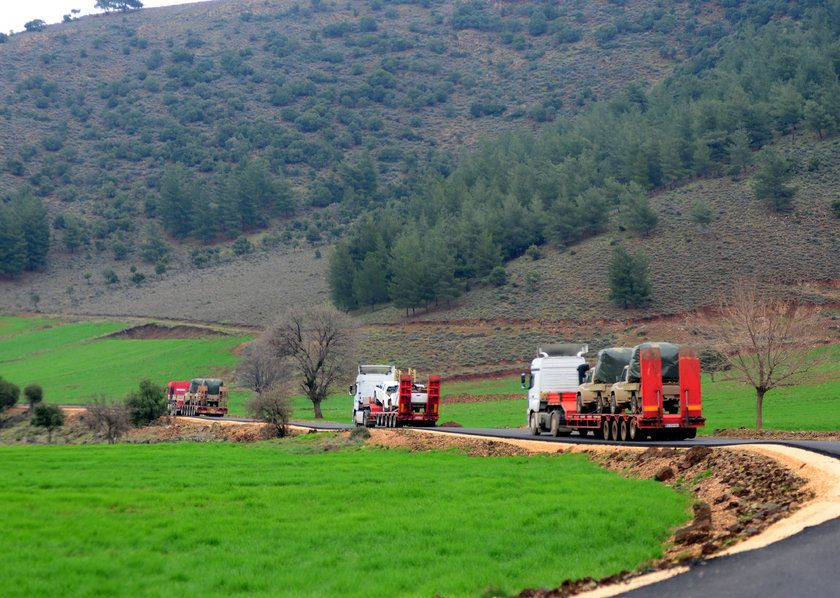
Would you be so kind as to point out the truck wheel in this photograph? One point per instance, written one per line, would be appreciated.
(555, 424)
(691, 433)
(534, 425)
(623, 432)
(605, 430)
(579, 404)
(614, 430)
(613, 405)
(599, 404)
(365, 419)
(634, 404)
(634, 430)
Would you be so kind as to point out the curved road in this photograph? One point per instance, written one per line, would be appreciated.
(806, 564)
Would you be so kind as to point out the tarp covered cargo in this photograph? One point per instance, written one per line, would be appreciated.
(564, 349)
(212, 384)
(669, 353)
(611, 364)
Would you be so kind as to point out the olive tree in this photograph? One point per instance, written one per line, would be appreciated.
(49, 417)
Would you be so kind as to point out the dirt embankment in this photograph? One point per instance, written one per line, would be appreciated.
(749, 434)
(158, 331)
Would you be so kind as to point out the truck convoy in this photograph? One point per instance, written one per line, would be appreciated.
(656, 395)
(199, 396)
(385, 397)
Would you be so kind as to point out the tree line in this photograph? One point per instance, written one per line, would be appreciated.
(565, 183)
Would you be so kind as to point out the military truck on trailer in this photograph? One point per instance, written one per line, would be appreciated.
(385, 397)
(202, 396)
(594, 393)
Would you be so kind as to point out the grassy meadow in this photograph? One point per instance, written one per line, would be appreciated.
(289, 518)
(75, 362)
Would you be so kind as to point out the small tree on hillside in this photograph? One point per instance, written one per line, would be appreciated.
(629, 282)
(34, 394)
(9, 394)
(146, 404)
(639, 216)
(767, 341)
(320, 343)
(111, 420)
(772, 181)
(112, 5)
(49, 417)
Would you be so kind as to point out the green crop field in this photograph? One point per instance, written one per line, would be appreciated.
(75, 362)
(289, 518)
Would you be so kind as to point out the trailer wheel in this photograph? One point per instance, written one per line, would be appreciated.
(555, 424)
(623, 432)
(583, 432)
(534, 425)
(605, 430)
(634, 430)
(614, 430)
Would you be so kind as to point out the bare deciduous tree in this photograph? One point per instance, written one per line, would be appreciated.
(320, 343)
(260, 368)
(274, 408)
(109, 419)
(767, 341)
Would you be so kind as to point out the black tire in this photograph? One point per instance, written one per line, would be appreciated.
(613, 406)
(555, 424)
(579, 403)
(634, 430)
(691, 433)
(366, 418)
(583, 433)
(614, 430)
(599, 404)
(623, 431)
(605, 430)
(533, 425)
(634, 404)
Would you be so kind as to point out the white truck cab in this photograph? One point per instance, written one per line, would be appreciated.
(370, 379)
(554, 378)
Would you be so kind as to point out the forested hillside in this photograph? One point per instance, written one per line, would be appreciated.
(207, 121)
(587, 175)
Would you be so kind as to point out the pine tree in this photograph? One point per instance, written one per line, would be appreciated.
(408, 272)
(670, 162)
(638, 215)
(629, 282)
(740, 152)
(13, 258)
(701, 213)
(772, 181)
(818, 119)
(486, 254)
(370, 282)
(32, 217)
(340, 272)
(786, 108)
(175, 204)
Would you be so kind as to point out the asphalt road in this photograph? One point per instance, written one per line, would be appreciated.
(806, 564)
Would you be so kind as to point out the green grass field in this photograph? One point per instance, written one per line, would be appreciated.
(288, 518)
(74, 362)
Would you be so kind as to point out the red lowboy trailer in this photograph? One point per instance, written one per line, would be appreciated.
(408, 404)
(658, 409)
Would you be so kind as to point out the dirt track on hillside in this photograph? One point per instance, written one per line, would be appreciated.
(158, 331)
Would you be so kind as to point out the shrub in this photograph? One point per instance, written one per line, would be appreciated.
(533, 252)
(112, 421)
(835, 207)
(242, 246)
(701, 213)
(138, 278)
(9, 394)
(49, 417)
(146, 404)
(34, 394)
(274, 408)
(498, 276)
(110, 277)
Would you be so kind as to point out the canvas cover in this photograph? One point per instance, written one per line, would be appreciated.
(670, 356)
(564, 349)
(610, 364)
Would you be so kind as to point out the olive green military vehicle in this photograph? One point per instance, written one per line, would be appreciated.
(593, 394)
(626, 393)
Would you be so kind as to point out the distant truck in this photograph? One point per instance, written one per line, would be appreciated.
(658, 396)
(594, 393)
(384, 397)
(199, 396)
